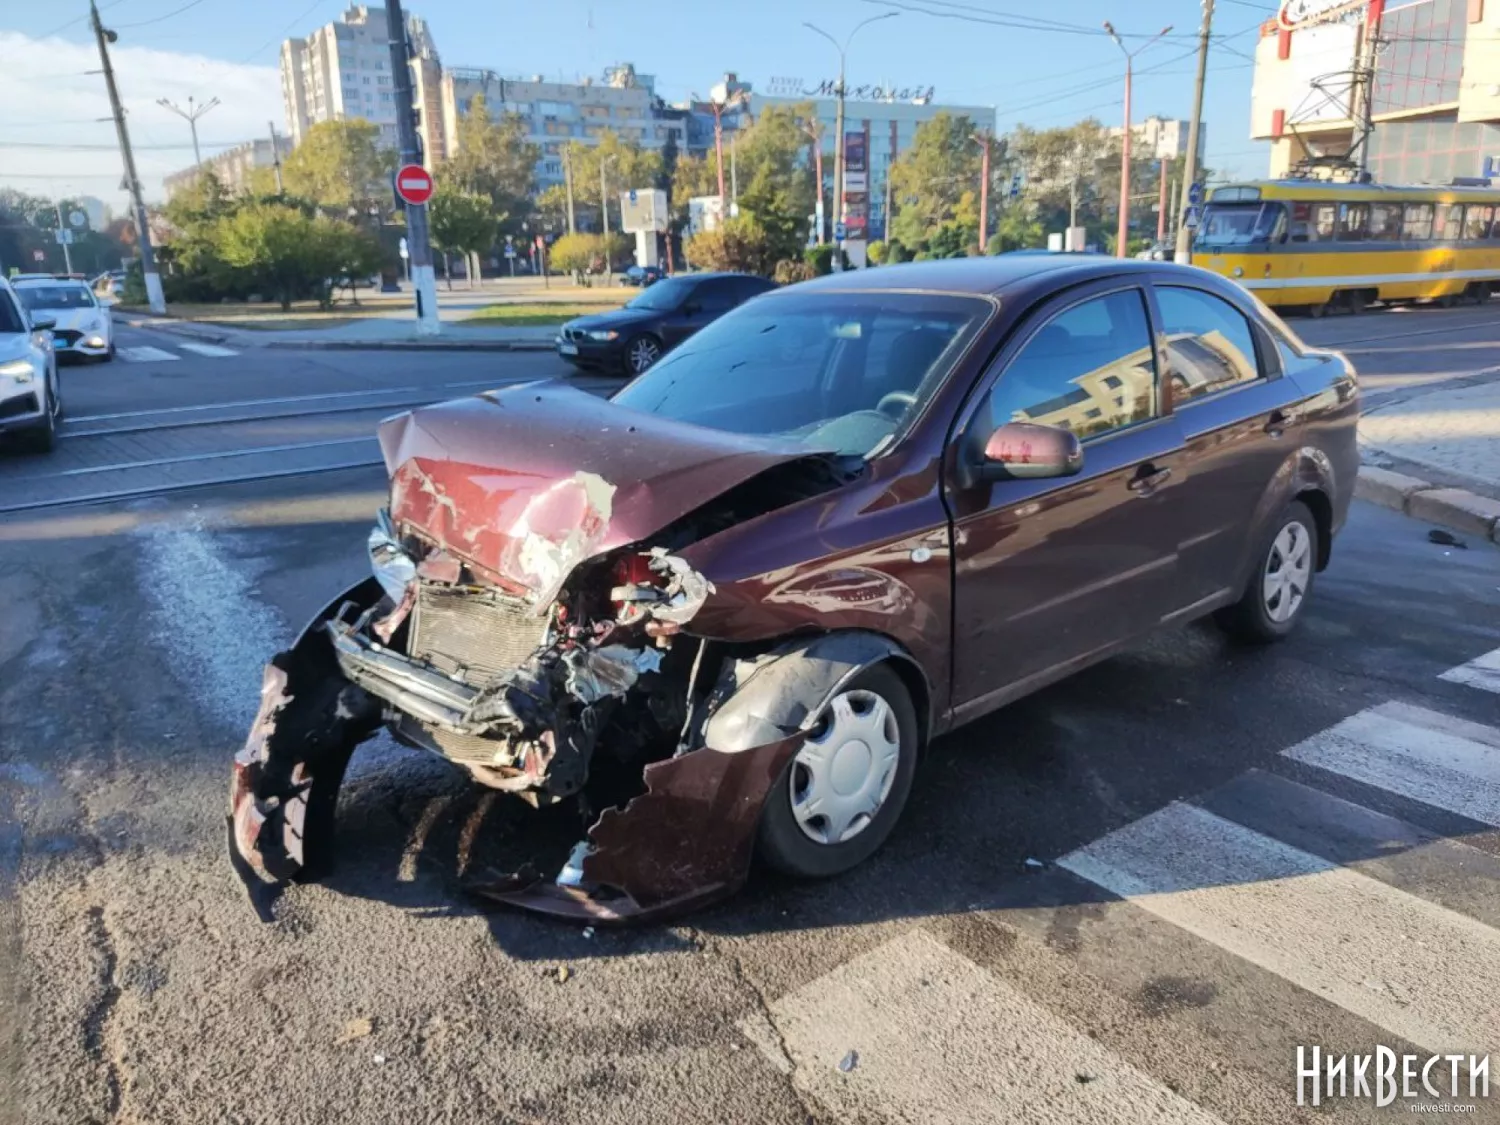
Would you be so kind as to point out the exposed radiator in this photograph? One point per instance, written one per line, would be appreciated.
(478, 634)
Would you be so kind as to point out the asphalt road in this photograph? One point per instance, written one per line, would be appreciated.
(1128, 898)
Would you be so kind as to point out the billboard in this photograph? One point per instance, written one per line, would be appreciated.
(854, 151)
(643, 209)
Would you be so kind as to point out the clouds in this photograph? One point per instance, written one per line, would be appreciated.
(46, 98)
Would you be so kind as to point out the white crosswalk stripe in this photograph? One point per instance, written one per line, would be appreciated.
(1414, 968)
(145, 353)
(1417, 753)
(1482, 672)
(213, 351)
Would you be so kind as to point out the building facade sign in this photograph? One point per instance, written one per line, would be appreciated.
(782, 87)
(1306, 13)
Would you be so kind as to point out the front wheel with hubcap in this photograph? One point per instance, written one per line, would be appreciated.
(839, 798)
(1272, 603)
(641, 352)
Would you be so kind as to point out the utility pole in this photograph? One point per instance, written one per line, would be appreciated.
(609, 264)
(567, 163)
(984, 190)
(838, 141)
(1190, 162)
(1122, 231)
(64, 234)
(734, 174)
(154, 295)
(1364, 84)
(418, 246)
(276, 158)
(814, 129)
(1161, 207)
(190, 115)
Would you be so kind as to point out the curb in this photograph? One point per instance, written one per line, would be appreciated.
(412, 345)
(1453, 507)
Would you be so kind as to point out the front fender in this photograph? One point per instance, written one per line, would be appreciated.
(782, 692)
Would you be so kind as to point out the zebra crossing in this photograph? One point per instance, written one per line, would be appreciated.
(147, 353)
(1171, 970)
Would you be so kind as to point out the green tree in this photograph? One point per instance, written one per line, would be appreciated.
(740, 244)
(930, 180)
(626, 165)
(493, 158)
(462, 222)
(342, 167)
(778, 189)
(292, 253)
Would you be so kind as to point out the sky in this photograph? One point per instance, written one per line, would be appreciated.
(53, 143)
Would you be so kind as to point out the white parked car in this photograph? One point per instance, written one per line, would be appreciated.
(83, 326)
(30, 404)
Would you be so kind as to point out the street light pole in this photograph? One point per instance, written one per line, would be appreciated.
(64, 233)
(838, 140)
(983, 141)
(609, 264)
(814, 129)
(154, 295)
(1122, 232)
(190, 115)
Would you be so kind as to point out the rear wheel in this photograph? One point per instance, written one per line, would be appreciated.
(842, 794)
(1274, 598)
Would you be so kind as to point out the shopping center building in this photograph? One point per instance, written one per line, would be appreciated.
(1435, 88)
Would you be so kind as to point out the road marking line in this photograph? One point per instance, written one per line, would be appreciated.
(1416, 969)
(144, 353)
(213, 351)
(1482, 672)
(937, 1038)
(1417, 753)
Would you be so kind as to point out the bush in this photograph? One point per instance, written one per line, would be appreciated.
(895, 252)
(789, 272)
(875, 253)
(737, 244)
(820, 258)
(135, 284)
(581, 254)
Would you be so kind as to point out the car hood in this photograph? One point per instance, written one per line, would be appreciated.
(526, 482)
(618, 319)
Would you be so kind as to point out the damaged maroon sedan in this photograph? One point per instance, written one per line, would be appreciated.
(843, 519)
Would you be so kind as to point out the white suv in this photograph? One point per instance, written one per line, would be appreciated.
(83, 327)
(30, 403)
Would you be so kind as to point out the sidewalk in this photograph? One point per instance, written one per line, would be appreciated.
(393, 332)
(1436, 456)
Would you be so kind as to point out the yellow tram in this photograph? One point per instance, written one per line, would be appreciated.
(1324, 246)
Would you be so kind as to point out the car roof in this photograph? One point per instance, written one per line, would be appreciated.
(709, 275)
(48, 280)
(987, 276)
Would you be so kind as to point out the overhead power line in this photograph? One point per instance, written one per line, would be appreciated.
(159, 19)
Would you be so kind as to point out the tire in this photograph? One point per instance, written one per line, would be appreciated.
(43, 438)
(784, 843)
(641, 352)
(1257, 618)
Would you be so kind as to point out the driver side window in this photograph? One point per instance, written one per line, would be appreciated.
(1090, 369)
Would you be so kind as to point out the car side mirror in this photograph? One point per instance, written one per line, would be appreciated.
(43, 323)
(1027, 451)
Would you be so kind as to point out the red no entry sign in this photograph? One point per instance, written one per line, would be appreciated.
(413, 184)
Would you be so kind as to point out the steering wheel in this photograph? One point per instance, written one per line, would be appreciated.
(903, 399)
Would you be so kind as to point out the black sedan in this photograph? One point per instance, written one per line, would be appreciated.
(648, 326)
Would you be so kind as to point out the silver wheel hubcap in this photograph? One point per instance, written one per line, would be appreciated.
(643, 353)
(845, 769)
(1288, 569)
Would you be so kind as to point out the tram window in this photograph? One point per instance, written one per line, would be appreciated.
(1385, 222)
(1313, 222)
(1449, 223)
(1354, 222)
(1417, 226)
(1477, 222)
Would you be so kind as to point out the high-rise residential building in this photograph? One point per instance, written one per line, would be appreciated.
(622, 102)
(1161, 138)
(343, 70)
(234, 167)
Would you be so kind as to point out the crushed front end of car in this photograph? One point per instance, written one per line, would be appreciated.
(527, 614)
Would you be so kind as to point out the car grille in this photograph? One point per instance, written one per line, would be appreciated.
(67, 337)
(477, 635)
(15, 407)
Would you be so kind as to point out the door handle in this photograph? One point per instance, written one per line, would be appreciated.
(1277, 423)
(1148, 479)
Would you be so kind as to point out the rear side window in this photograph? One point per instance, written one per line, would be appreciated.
(1417, 226)
(1477, 222)
(1385, 222)
(718, 295)
(1449, 222)
(1090, 369)
(1210, 344)
(1354, 222)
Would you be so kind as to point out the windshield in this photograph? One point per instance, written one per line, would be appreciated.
(840, 372)
(10, 316)
(36, 297)
(664, 295)
(1235, 224)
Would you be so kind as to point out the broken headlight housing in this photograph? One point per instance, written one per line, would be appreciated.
(392, 566)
